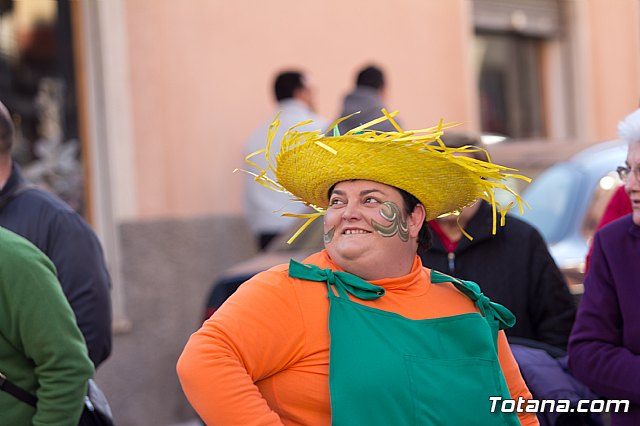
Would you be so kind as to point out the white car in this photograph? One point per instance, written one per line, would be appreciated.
(567, 201)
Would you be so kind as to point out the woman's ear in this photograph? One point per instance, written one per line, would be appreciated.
(416, 220)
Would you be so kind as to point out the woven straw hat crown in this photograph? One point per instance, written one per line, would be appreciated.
(443, 179)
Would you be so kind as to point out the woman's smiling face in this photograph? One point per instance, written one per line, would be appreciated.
(367, 230)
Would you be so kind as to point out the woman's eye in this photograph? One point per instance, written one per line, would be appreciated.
(370, 200)
(335, 201)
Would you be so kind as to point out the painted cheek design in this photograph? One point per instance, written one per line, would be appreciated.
(392, 213)
(328, 236)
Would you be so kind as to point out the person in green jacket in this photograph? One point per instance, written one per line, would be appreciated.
(41, 348)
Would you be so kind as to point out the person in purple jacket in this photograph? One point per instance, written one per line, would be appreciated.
(604, 347)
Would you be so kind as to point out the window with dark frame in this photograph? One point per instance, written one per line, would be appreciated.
(509, 39)
(509, 85)
(37, 84)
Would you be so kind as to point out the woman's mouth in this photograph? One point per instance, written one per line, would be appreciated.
(355, 231)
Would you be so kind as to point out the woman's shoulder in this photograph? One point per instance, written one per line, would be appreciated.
(320, 259)
(443, 292)
(617, 228)
(278, 275)
(275, 289)
(618, 237)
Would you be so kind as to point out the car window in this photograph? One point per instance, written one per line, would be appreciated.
(603, 192)
(549, 198)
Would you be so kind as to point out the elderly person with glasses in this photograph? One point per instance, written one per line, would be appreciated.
(604, 348)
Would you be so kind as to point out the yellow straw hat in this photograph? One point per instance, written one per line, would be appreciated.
(310, 163)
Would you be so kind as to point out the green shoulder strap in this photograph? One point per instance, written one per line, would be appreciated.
(488, 309)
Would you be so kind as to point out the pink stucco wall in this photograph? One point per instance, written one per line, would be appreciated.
(615, 62)
(201, 75)
(202, 71)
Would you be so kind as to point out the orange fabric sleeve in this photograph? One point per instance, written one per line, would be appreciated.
(515, 382)
(254, 334)
(263, 357)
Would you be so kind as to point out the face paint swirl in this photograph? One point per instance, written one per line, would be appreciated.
(392, 213)
(328, 236)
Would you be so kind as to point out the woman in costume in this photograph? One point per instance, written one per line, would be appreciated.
(361, 333)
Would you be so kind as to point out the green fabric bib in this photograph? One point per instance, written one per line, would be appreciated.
(385, 369)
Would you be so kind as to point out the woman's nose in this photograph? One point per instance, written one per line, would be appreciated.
(351, 211)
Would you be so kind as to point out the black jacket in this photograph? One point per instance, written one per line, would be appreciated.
(514, 268)
(74, 249)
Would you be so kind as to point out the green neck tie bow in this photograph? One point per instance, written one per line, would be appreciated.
(342, 281)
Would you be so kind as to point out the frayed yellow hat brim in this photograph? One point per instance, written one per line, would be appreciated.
(310, 163)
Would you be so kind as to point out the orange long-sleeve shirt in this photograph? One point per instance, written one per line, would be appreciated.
(263, 357)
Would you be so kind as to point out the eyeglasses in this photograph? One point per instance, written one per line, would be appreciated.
(625, 171)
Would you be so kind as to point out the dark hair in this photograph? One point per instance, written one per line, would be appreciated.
(287, 83)
(6, 130)
(410, 203)
(371, 76)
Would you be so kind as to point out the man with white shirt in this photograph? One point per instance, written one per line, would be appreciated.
(263, 206)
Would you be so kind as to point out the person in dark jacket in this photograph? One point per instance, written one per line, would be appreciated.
(62, 234)
(512, 267)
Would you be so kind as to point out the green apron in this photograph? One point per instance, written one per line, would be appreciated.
(386, 369)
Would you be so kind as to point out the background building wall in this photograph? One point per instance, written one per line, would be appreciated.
(614, 62)
(201, 80)
(201, 75)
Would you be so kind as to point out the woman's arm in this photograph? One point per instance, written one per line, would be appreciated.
(37, 319)
(515, 382)
(256, 333)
